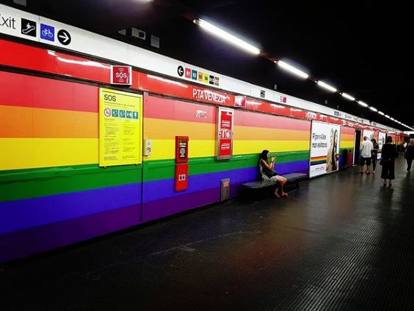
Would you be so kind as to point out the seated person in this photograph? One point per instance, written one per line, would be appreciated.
(267, 173)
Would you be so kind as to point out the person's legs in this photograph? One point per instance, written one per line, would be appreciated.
(282, 181)
(374, 165)
(368, 162)
(277, 188)
(361, 164)
(409, 162)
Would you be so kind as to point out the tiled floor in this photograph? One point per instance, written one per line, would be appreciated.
(340, 242)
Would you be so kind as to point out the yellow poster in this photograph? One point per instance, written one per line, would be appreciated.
(120, 128)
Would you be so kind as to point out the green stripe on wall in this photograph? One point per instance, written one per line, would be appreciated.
(23, 184)
(155, 170)
(29, 183)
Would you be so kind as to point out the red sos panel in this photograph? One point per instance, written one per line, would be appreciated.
(181, 163)
(181, 149)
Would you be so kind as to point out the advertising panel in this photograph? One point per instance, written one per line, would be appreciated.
(120, 128)
(368, 133)
(324, 149)
(225, 123)
(381, 142)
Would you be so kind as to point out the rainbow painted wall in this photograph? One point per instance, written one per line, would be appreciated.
(52, 192)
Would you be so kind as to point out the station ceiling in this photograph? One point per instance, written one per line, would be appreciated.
(361, 47)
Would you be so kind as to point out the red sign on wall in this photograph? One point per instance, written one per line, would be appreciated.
(121, 75)
(181, 176)
(181, 149)
(225, 133)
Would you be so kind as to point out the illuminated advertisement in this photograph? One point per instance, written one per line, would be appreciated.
(324, 149)
(225, 133)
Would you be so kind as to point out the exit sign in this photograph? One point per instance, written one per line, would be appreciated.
(121, 75)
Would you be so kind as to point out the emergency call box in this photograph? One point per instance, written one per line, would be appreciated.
(181, 149)
(181, 176)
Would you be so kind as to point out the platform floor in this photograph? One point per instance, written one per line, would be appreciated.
(340, 242)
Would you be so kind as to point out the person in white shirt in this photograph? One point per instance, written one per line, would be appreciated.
(366, 149)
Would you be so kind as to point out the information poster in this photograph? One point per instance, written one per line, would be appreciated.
(324, 155)
(368, 133)
(120, 128)
(225, 133)
(381, 142)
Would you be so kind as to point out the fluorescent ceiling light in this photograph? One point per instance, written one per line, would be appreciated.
(363, 104)
(347, 96)
(218, 32)
(327, 86)
(387, 116)
(373, 109)
(381, 113)
(292, 69)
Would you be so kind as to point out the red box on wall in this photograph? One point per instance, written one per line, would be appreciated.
(181, 176)
(121, 75)
(181, 149)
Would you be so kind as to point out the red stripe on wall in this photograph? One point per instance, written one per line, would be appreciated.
(244, 118)
(34, 58)
(35, 92)
(171, 109)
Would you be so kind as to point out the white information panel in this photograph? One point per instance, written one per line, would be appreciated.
(324, 149)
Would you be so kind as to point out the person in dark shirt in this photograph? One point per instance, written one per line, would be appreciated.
(409, 154)
(374, 154)
(388, 154)
(268, 173)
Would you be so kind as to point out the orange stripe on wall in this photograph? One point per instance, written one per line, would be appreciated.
(23, 122)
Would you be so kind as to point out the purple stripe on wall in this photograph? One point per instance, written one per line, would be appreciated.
(43, 238)
(27, 213)
(173, 205)
(164, 189)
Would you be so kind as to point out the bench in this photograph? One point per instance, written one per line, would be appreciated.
(292, 178)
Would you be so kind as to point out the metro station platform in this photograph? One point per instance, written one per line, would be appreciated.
(340, 242)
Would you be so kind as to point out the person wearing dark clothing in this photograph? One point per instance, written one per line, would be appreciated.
(374, 154)
(409, 154)
(267, 172)
(388, 154)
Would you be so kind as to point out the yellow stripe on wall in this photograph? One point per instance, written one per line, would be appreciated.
(163, 149)
(168, 129)
(347, 144)
(256, 146)
(20, 153)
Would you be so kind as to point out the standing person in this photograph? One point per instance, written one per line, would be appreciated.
(388, 154)
(409, 154)
(267, 173)
(374, 153)
(366, 148)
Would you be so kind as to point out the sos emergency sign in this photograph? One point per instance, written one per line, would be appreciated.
(121, 75)
(225, 133)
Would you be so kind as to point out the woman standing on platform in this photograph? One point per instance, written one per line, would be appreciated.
(374, 153)
(409, 154)
(388, 154)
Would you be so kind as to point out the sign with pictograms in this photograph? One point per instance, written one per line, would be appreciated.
(121, 75)
(64, 37)
(181, 163)
(120, 128)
